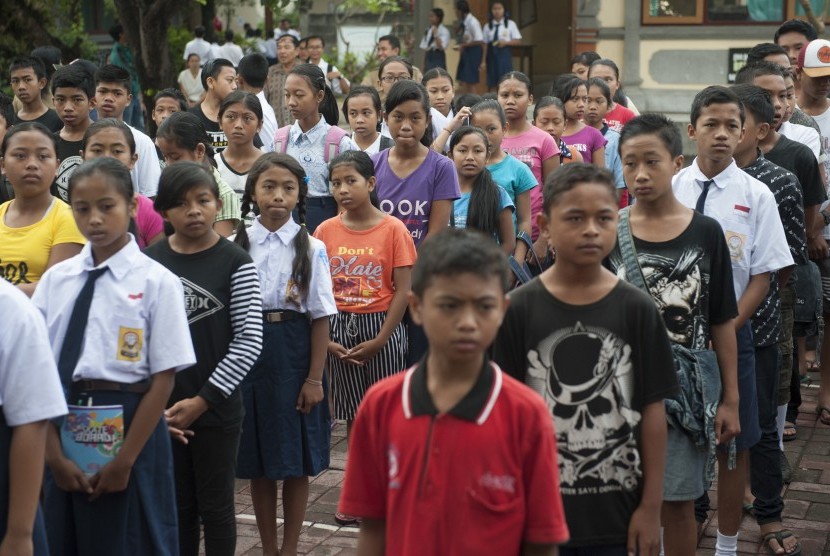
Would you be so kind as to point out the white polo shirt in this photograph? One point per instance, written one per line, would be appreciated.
(746, 210)
(147, 169)
(30, 387)
(273, 254)
(137, 321)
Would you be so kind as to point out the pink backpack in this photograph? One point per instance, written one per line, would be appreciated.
(333, 138)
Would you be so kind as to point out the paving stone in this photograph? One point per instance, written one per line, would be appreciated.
(825, 477)
(819, 512)
(810, 487)
(796, 509)
(806, 475)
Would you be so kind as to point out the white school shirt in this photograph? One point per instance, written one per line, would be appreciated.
(231, 51)
(443, 36)
(507, 32)
(804, 135)
(137, 321)
(309, 149)
(200, 47)
(30, 387)
(269, 124)
(273, 255)
(147, 169)
(472, 29)
(335, 84)
(746, 210)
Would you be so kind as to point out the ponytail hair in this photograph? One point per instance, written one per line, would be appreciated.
(362, 164)
(301, 265)
(316, 79)
(187, 131)
(485, 199)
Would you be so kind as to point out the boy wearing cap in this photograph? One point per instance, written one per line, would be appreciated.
(814, 74)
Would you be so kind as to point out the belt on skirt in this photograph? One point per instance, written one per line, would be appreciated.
(110, 386)
(282, 316)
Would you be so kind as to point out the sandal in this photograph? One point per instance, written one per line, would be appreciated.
(813, 365)
(345, 520)
(790, 431)
(749, 509)
(823, 414)
(779, 536)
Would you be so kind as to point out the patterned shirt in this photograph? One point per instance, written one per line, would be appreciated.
(766, 322)
(275, 93)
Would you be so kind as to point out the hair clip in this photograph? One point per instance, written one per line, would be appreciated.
(306, 179)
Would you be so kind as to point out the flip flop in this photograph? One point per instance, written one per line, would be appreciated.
(793, 431)
(779, 536)
(813, 365)
(749, 509)
(821, 411)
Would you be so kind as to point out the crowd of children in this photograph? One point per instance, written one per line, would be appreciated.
(539, 331)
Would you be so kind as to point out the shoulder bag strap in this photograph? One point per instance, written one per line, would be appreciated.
(629, 253)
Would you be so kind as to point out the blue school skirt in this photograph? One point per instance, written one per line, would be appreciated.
(39, 532)
(139, 520)
(469, 64)
(499, 62)
(435, 59)
(278, 442)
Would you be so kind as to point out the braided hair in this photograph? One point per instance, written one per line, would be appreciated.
(301, 265)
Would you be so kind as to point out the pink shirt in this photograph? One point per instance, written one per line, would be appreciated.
(148, 221)
(532, 147)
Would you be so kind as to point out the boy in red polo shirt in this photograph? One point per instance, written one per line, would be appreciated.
(453, 456)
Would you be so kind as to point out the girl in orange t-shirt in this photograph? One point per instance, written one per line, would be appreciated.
(371, 256)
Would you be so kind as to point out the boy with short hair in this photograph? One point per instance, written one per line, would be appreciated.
(746, 210)
(112, 97)
(685, 262)
(771, 323)
(73, 92)
(596, 349)
(251, 75)
(27, 76)
(792, 35)
(218, 80)
(453, 456)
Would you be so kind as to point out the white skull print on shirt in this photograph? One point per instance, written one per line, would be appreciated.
(585, 376)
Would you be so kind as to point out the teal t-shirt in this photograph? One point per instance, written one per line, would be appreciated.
(514, 176)
(461, 206)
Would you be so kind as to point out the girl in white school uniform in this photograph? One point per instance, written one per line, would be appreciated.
(285, 431)
(30, 393)
(119, 332)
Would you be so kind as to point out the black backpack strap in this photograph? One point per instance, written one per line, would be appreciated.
(625, 240)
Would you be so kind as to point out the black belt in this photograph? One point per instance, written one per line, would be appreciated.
(282, 316)
(110, 386)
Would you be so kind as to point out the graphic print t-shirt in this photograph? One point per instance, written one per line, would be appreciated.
(362, 262)
(596, 366)
(70, 158)
(689, 278)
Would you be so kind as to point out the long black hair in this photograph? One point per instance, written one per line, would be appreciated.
(177, 179)
(362, 164)
(301, 265)
(316, 79)
(485, 199)
(404, 91)
(187, 131)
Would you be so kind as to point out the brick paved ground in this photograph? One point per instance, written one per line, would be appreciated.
(807, 500)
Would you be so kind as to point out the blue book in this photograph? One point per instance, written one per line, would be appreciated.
(91, 436)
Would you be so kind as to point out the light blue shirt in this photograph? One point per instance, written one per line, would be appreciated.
(514, 176)
(612, 157)
(309, 149)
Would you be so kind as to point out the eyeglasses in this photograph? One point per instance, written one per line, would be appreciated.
(394, 78)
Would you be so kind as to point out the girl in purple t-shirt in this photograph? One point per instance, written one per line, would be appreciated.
(414, 183)
(529, 144)
(573, 92)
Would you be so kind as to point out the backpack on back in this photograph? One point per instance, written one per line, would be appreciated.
(332, 148)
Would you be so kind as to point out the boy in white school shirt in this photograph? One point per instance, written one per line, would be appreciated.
(746, 210)
(112, 97)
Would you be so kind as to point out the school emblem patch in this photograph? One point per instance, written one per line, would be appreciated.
(130, 342)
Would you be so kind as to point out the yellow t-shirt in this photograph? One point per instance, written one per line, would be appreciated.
(24, 252)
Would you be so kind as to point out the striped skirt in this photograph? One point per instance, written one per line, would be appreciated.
(349, 382)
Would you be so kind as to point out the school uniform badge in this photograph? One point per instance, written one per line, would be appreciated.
(130, 342)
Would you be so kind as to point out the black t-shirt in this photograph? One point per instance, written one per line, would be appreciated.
(767, 327)
(224, 310)
(49, 118)
(70, 158)
(689, 278)
(800, 160)
(596, 366)
(218, 139)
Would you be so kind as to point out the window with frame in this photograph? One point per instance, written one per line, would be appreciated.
(728, 12)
